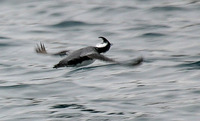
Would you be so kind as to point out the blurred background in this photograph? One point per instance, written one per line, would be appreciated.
(166, 87)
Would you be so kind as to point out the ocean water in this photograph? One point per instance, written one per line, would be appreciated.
(166, 87)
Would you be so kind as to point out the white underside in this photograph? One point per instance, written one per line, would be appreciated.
(100, 45)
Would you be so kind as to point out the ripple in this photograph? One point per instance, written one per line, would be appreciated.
(74, 106)
(149, 27)
(191, 65)
(151, 34)
(190, 25)
(196, 91)
(67, 115)
(167, 8)
(4, 44)
(114, 9)
(56, 14)
(40, 31)
(197, 63)
(120, 113)
(15, 86)
(41, 12)
(92, 111)
(64, 24)
(1, 37)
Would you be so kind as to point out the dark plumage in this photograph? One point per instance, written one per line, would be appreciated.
(83, 56)
(86, 56)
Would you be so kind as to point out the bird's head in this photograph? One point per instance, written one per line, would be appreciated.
(104, 46)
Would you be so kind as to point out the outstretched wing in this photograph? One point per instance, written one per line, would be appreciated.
(101, 57)
(40, 48)
(134, 62)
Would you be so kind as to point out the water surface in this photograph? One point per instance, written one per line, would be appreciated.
(165, 87)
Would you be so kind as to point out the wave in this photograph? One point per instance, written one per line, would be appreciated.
(76, 106)
(152, 34)
(167, 8)
(193, 65)
(64, 24)
(1, 37)
(15, 86)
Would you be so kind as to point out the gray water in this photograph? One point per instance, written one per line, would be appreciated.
(166, 87)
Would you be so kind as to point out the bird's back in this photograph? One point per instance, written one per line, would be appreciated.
(77, 57)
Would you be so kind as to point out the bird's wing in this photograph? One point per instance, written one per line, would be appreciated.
(41, 49)
(101, 57)
(135, 62)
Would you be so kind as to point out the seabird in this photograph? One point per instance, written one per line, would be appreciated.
(86, 55)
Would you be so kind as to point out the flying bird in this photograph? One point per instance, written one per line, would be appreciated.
(86, 55)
